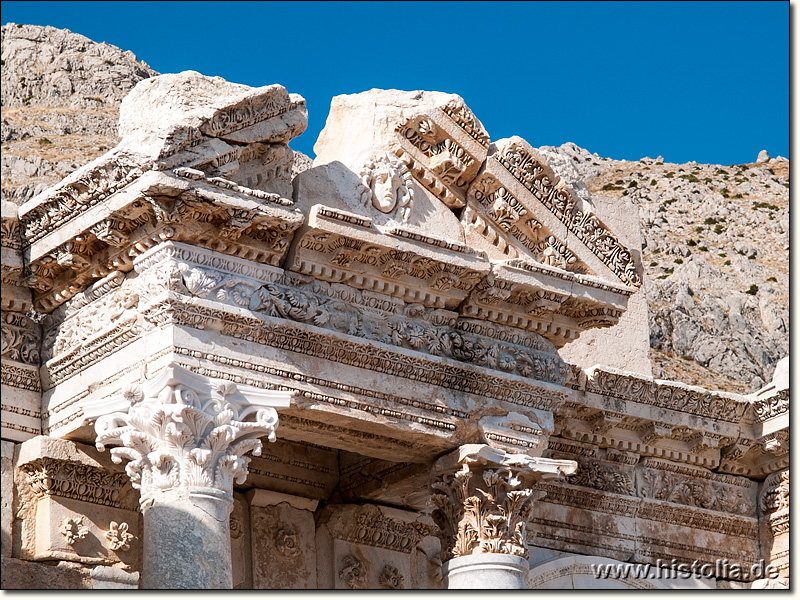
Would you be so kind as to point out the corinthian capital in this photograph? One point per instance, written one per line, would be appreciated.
(182, 431)
(483, 498)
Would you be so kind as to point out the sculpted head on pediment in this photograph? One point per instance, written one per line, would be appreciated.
(386, 184)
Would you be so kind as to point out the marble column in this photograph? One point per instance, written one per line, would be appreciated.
(185, 437)
(483, 497)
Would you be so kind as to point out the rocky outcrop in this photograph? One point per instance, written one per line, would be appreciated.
(716, 259)
(60, 104)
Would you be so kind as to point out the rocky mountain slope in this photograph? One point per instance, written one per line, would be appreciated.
(716, 261)
(716, 253)
(60, 104)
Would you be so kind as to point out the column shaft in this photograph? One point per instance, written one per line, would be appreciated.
(187, 542)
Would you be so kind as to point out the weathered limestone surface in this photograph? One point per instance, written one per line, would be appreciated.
(372, 547)
(284, 548)
(630, 337)
(395, 317)
(6, 495)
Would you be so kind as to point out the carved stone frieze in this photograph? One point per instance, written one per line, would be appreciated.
(771, 407)
(505, 222)
(539, 298)
(483, 498)
(49, 476)
(632, 507)
(708, 494)
(627, 386)
(20, 376)
(604, 477)
(463, 117)
(368, 525)
(346, 248)
(523, 164)
(184, 431)
(159, 206)
(77, 194)
(443, 147)
(21, 338)
(414, 328)
(116, 310)
(524, 393)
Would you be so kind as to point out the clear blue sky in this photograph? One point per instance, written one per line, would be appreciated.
(704, 81)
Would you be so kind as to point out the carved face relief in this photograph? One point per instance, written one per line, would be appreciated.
(386, 184)
(385, 189)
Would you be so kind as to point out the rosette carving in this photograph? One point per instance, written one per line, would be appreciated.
(118, 536)
(73, 529)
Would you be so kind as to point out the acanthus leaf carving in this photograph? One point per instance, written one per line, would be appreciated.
(483, 498)
(607, 478)
(775, 493)
(185, 431)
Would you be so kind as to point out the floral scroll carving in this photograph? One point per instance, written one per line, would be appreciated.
(20, 338)
(419, 329)
(539, 180)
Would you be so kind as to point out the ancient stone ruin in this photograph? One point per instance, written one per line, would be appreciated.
(414, 363)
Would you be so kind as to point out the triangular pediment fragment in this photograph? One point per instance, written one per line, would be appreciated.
(522, 209)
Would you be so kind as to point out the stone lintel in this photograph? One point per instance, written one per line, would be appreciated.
(269, 498)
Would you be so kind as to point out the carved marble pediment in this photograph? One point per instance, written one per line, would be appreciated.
(521, 207)
(421, 163)
(201, 160)
(338, 246)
